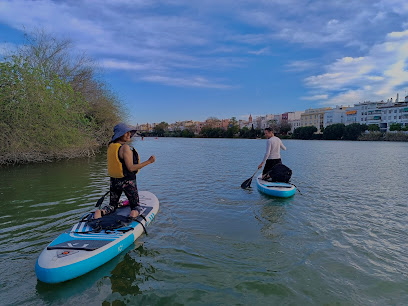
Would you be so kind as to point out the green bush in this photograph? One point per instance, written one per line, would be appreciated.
(395, 127)
(45, 114)
(353, 131)
(334, 131)
(305, 132)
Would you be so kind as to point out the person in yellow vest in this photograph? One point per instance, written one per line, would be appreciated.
(123, 164)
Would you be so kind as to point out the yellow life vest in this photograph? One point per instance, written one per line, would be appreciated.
(116, 166)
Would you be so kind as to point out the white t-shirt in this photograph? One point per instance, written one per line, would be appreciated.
(273, 146)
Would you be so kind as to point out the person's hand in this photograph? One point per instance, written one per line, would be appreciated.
(260, 165)
(151, 159)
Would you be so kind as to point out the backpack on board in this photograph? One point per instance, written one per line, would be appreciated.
(280, 173)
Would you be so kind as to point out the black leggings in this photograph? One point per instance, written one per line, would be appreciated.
(117, 186)
(269, 164)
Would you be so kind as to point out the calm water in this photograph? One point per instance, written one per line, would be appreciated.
(343, 240)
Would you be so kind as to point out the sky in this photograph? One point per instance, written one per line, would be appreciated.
(180, 60)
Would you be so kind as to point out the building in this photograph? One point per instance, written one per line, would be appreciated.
(351, 116)
(144, 127)
(393, 113)
(248, 124)
(262, 122)
(335, 115)
(368, 112)
(295, 124)
(314, 117)
(293, 118)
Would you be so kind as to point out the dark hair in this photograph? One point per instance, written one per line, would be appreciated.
(269, 129)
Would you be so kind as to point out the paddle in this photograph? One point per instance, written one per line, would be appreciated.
(248, 182)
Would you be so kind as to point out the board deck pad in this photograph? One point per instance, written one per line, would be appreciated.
(85, 245)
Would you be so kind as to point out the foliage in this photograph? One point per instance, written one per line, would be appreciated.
(233, 127)
(284, 127)
(210, 132)
(373, 128)
(187, 133)
(353, 131)
(250, 133)
(395, 127)
(305, 132)
(396, 136)
(371, 136)
(334, 131)
(160, 129)
(50, 106)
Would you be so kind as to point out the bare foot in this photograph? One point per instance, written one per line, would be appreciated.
(97, 214)
(133, 213)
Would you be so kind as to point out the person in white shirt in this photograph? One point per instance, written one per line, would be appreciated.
(272, 155)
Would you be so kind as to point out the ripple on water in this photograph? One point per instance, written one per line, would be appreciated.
(343, 240)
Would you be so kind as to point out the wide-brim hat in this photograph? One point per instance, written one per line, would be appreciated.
(121, 129)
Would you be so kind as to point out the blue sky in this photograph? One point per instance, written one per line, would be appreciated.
(180, 59)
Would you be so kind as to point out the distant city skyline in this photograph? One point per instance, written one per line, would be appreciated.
(171, 61)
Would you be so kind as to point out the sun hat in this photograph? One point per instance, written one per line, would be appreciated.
(121, 129)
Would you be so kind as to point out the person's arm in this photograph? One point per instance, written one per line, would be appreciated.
(282, 146)
(268, 151)
(128, 158)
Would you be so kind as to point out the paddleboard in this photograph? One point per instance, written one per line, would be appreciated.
(275, 189)
(80, 250)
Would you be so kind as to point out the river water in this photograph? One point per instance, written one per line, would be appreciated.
(342, 240)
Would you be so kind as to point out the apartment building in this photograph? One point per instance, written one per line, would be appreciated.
(314, 117)
(335, 115)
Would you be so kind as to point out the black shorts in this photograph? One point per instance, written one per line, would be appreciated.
(269, 164)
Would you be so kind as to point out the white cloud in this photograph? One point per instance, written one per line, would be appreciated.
(262, 51)
(196, 81)
(300, 65)
(376, 76)
(122, 65)
(315, 97)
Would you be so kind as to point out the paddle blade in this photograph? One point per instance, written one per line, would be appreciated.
(247, 183)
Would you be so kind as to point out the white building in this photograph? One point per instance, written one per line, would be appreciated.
(335, 115)
(368, 112)
(351, 116)
(393, 113)
(295, 124)
(293, 118)
(262, 122)
(246, 123)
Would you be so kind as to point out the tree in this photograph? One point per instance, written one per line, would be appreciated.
(395, 127)
(56, 58)
(233, 127)
(187, 133)
(51, 103)
(244, 132)
(305, 132)
(353, 131)
(209, 132)
(334, 131)
(273, 125)
(212, 122)
(160, 128)
(284, 127)
(373, 128)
